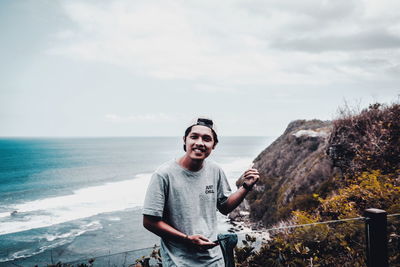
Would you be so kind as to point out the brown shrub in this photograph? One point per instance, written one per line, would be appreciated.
(369, 140)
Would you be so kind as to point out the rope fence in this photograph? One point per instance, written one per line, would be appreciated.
(122, 257)
(301, 225)
(247, 232)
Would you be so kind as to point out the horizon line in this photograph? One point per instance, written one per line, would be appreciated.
(122, 136)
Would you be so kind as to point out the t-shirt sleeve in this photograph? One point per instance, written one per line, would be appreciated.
(224, 190)
(156, 196)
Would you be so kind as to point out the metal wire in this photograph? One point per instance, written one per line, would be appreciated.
(110, 255)
(256, 231)
(303, 225)
(246, 232)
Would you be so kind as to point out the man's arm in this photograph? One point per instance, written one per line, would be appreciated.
(251, 177)
(159, 227)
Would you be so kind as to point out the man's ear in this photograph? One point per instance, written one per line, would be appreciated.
(214, 145)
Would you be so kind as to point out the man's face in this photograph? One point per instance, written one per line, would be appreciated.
(199, 142)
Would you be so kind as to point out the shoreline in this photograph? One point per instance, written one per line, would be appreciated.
(242, 225)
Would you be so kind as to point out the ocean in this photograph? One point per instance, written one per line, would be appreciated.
(68, 199)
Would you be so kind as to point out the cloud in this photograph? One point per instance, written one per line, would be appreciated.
(213, 88)
(159, 117)
(357, 41)
(229, 44)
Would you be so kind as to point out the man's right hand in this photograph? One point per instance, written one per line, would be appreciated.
(200, 242)
(164, 230)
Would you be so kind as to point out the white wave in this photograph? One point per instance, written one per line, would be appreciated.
(31, 252)
(235, 168)
(114, 219)
(5, 214)
(96, 225)
(82, 203)
(62, 239)
(237, 165)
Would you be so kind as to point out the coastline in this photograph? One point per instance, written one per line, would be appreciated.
(242, 225)
(82, 187)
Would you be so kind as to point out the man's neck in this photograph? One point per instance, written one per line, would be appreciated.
(190, 164)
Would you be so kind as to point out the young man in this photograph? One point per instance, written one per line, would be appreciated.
(182, 199)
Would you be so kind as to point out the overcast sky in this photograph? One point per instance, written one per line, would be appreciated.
(145, 68)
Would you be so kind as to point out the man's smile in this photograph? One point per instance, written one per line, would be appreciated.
(199, 149)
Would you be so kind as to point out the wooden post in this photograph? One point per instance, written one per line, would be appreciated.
(376, 238)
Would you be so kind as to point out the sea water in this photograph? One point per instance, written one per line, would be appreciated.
(64, 199)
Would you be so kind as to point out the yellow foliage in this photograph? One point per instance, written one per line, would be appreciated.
(303, 217)
(370, 189)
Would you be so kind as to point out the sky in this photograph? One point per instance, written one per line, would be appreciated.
(145, 68)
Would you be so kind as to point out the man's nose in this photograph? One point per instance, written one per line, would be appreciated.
(199, 141)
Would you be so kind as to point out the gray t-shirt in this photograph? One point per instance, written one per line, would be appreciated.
(188, 201)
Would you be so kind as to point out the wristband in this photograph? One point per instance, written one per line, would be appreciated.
(247, 187)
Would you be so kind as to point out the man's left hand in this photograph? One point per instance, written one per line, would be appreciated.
(251, 177)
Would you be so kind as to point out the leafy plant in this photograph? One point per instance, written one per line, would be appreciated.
(144, 261)
(366, 147)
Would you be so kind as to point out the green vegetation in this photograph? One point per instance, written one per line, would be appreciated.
(292, 168)
(145, 260)
(366, 148)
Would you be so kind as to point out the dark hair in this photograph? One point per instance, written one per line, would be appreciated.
(215, 137)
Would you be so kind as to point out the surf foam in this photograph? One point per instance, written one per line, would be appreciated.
(82, 203)
(53, 241)
(235, 168)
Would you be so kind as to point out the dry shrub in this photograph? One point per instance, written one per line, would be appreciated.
(369, 140)
(366, 147)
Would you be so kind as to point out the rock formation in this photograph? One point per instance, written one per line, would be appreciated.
(294, 170)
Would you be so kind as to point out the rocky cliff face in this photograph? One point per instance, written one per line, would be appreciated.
(294, 170)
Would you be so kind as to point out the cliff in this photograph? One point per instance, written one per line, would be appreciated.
(293, 169)
(300, 178)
